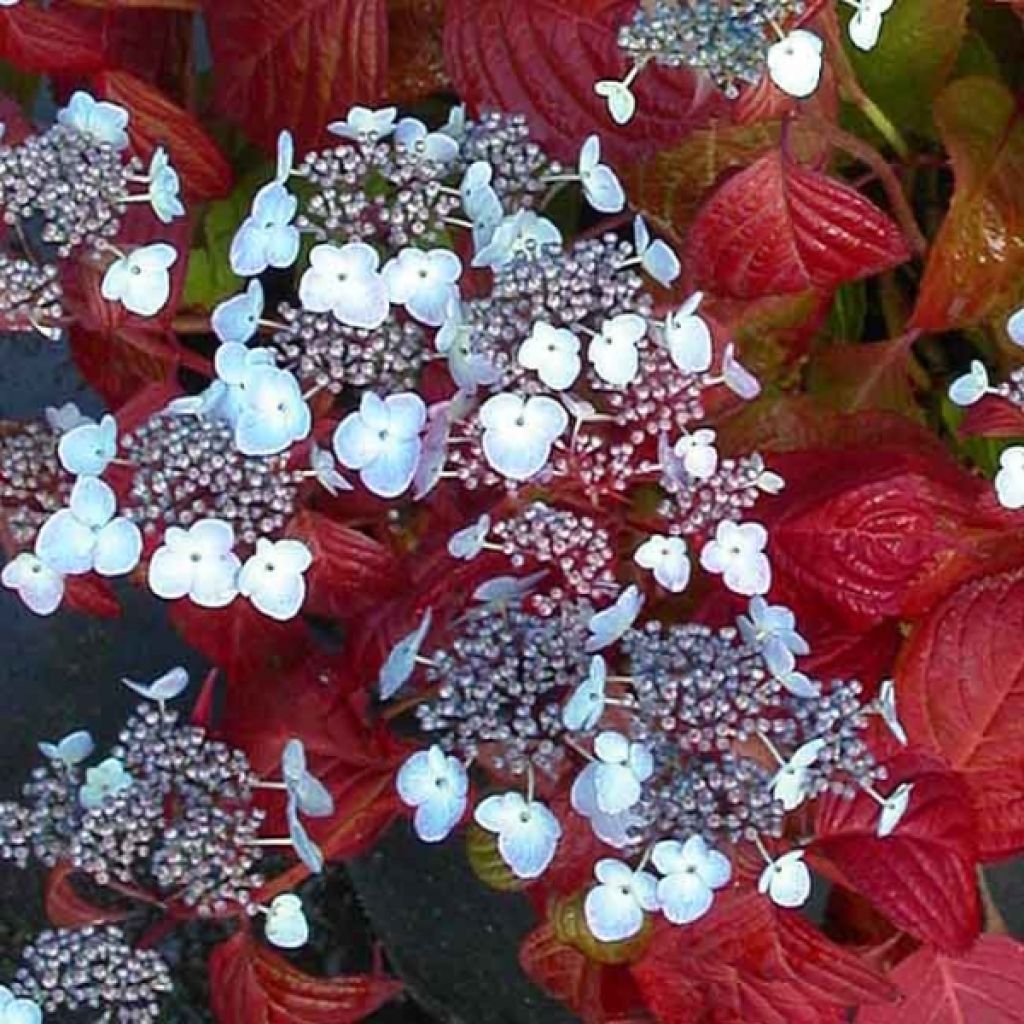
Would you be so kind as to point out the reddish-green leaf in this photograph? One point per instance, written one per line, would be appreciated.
(561, 971)
(993, 417)
(66, 908)
(36, 40)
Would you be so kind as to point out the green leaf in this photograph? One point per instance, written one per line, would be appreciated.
(849, 311)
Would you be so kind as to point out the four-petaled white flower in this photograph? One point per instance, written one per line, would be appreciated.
(866, 24)
(737, 553)
(971, 387)
(226, 397)
(771, 628)
(1015, 327)
(15, 1009)
(689, 337)
(73, 749)
(382, 441)
(692, 872)
(325, 469)
(273, 415)
(401, 661)
(619, 830)
(656, 256)
(346, 280)
(613, 352)
(619, 98)
(423, 282)
(519, 433)
(435, 784)
(468, 542)
(886, 705)
(104, 780)
(791, 783)
(272, 578)
(305, 791)
(697, 453)
(554, 353)
(140, 280)
(584, 708)
(286, 926)
(479, 199)
(197, 563)
(667, 558)
(614, 909)
(164, 188)
(786, 881)
(235, 320)
(468, 368)
(617, 774)
(894, 808)
(602, 188)
(412, 135)
(105, 122)
(267, 237)
(87, 450)
(88, 536)
(609, 624)
(1010, 478)
(364, 124)
(40, 587)
(524, 234)
(171, 684)
(527, 832)
(795, 63)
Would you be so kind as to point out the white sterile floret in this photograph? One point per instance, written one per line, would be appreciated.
(791, 783)
(468, 542)
(274, 414)
(477, 192)
(171, 684)
(364, 124)
(737, 554)
(40, 587)
(433, 451)
(795, 63)
(382, 441)
(88, 536)
(198, 563)
(584, 708)
(105, 122)
(617, 773)
(65, 417)
(141, 280)
(455, 126)
(866, 24)
(236, 319)
(17, 1009)
(104, 780)
(1015, 327)
(769, 482)
(286, 926)
(325, 469)
(227, 397)
(656, 256)
(87, 450)
(601, 186)
(305, 849)
(519, 433)
(272, 579)
(507, 591)
(619, 98)
(553, 353)
(423, 282)
(525, 234)
(689, 337)
(620, 830)
(738, 379)
(692, 872)
(468, 368)
(771, 628)
(527, 832)
(798, 684)
(667, 558)
(413, 136)
(164, 188)
(608, 625)
(613, 352)
(614, 909)
(346, 280)
(306, 793)
(73, 749)
(1010, 478)
(285, 156)
(435, 784)
(401, 662)
(786, 881)
(971, 387)
(697, 453)
(886, 705)
(894, 808)
(267, 237)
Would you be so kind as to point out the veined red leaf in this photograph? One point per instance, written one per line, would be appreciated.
(65, 908)
(151, 5)
(249, 984)
(297, 64)
(39, 41)
(415, 49)
(561, 971)
(984, 986)
(922, 876)
(778, 227)
(993, 416)
(542, 58)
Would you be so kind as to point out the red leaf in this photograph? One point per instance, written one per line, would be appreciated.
(202, 710)
(985, 986)
(561, 971)
(65, 908)
(17, 127)
(251, 985)
(40, 42)
(155, 120)
(542, 58)
(960, 682)
(922, 877)
(993, 417)
(91, 595)
(777, 227)
(296, 64)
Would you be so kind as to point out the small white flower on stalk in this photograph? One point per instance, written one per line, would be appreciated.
(795, 63)
(73, 749)
(1010, 478)
(689, 337)
(1015, 327)
(614, 909)
(106, 779)
(692, 872)
(667, 558)
(602, 188)
(618, 95)
(786, 881)
(866, 24)
(738, 379)
(435, 784)
(66, 417)
(608, 625)
(769, 482)
(519, 433)
(198, 563)
(798, 684)
(274, 414)
(14, 1009)
(401, 661)
(164, 188)
(40, 588)
(226, 397)
(893, 809)
(305, 849)
(476, 191)
(524, 234)
(771, 629)
(584, 708)
(382, 441)
(527, 832)
(886, 706)
(285, 156)
(412, 135)
(105, 122)
(286, 926)
(468, 542)
(455, 126)
(141, 280)
(168, 686)
(617, 774)
(737, 554)
(655, 256)
(87, 536)
(423, 282)
(236, 320)
(697, 453)
(619, 830)
(346, 280)
(364, 124)
(468, 369)
(553, 353)
(87, 450)
(613, 352)
(267, 237)
(272, 579)
(972, 387)
(324, 468)
(507, 591)
(305, 791)
(792, 781)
